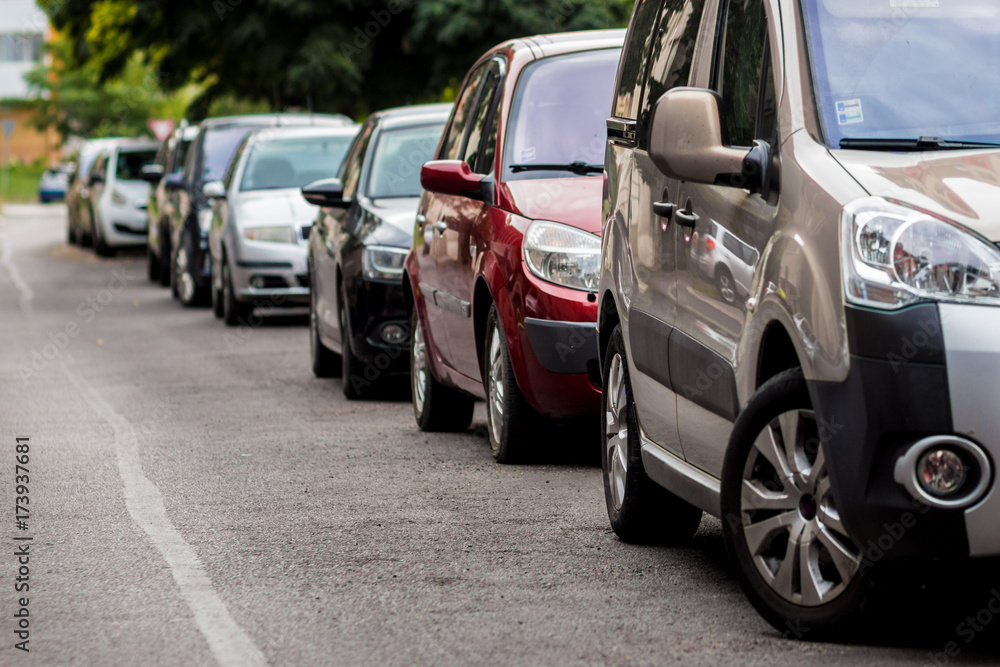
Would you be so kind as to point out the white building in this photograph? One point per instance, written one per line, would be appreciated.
(23, 28)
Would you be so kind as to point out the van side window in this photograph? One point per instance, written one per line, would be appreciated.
(739, 68)
(635, 57)
(481, 145)
(670, 62)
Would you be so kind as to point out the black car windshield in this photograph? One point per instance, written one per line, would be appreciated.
(906, 69)
(294, 163)
(130, 164)
(559, 116)
(219, 148)
(398, 158)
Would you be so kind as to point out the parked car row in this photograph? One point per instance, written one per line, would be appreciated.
(722, 273)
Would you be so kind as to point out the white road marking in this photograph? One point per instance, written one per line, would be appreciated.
(229, 643)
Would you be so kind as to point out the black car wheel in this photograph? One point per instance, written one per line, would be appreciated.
(795, 558)
(218, 306)
(187, 289)
(152, 266)
(101, 247)
(164, 259)
(325, 362)
(435, 406)
(356, 386)
(641, 511)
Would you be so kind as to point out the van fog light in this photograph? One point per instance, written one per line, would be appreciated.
(941, 472)
(947, 472)
(395, 334)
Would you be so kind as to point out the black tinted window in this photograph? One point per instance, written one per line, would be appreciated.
(484, 115)
(219, 148)
(463, 110)
(739, 68)
(634, 58)
(130, 164)
(670, 61)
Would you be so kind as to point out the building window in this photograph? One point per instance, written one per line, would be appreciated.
(20, 48)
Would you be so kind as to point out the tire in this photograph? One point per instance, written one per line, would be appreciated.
(356, 386)
(832, 592)
(218, 306)
(512, 424)
(234, 311)
(152, 266)
(186, 288)
(164, 260)
(325, 362)
(70, 232)
(436, 408)
(101, 247)
(640, 510)
(726, 285)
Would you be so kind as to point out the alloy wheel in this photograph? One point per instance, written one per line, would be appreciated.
(497, 384)
(791, 525)
(418, 366)
(726, 289)
(616, 432)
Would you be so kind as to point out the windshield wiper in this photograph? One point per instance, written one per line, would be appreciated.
(912, 145)
(580, 167)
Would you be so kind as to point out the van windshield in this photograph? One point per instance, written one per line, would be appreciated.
(906, 69)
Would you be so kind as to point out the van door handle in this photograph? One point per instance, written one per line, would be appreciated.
(664, 209)
(686, 217)
(441, 226)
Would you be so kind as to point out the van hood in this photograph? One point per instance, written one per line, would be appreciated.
(961, 186)
(572, 201)
(278, 207)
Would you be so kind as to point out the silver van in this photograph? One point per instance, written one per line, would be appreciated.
(841, 415)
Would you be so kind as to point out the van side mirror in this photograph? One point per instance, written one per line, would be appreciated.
(328, 193)
(685, 142)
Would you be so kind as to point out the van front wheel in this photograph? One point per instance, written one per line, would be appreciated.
(795, 558)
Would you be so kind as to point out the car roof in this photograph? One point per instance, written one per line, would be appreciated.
(566, 42)
(265, 134)
(411, 116)
(276, 120)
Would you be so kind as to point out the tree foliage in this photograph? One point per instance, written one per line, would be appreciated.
(350, 56)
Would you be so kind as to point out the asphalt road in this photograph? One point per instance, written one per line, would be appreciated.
(197, 497)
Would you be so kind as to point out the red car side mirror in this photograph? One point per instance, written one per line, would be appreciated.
(451, 177)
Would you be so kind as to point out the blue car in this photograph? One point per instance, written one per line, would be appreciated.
(53, 184)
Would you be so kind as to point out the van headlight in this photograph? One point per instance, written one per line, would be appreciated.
(894, 256)
(383, 263)
(276, 234)
(563, 255)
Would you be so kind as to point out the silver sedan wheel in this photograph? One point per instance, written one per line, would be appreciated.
(790, 521)
(616, 431)
(496, 382)
(418, 366)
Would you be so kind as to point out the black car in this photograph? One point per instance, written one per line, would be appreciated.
(162, 175)
(359, 326)
(207, 160)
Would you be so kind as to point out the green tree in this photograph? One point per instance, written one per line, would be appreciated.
(350, 56)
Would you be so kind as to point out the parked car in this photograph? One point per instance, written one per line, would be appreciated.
(118, 196)
(842, 419)
(504, 268)
(78, 194)
(190, 216)
(725, 260)
(54, 182)
(165, 171)
(358, 316)
(260, 227)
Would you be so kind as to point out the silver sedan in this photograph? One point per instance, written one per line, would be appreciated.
(260, 222)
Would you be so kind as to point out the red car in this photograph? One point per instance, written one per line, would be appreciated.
(506, 250)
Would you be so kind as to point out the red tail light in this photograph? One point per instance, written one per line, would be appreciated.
(709, 243)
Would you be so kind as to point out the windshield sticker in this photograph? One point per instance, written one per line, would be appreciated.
(528, 155)
(914, 3)
(849, 112)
